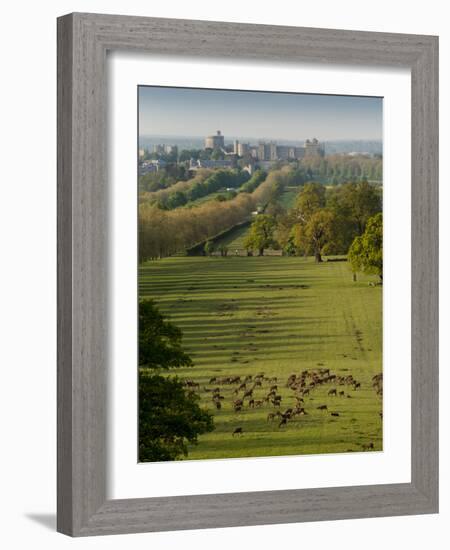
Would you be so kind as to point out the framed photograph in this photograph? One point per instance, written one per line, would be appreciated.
(247, 274)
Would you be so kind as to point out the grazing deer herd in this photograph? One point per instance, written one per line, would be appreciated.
(302, 387)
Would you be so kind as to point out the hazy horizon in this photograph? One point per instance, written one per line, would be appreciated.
(232, 137)
(258, 115)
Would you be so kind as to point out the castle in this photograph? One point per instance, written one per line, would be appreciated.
(267, 151)
(215, 142)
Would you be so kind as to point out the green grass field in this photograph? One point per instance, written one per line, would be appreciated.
(288, 197)
(206, 198)
(235, 238)
(279, 316)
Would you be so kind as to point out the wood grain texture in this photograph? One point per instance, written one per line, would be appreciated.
(64, 329)
(425, 272)
(83, 40)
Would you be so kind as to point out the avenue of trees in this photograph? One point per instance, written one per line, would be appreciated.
(161, 196)
(166, 232)
(204, 183)
(170, 417)
(257, 178)
(218, 180)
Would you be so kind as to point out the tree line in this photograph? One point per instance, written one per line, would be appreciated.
(343, 168)
(166, 232)
(219, 179)
(203, 184)
(160, 196)
(163, 178)
(335, 169)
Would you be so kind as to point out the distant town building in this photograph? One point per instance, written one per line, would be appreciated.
(313, 148)
(164, 149)
(148, 166)
(206, 163)
(216, 141)
(359, 154)
(263, 151)
(273, 155)
(169, 149)
(243, 149)
(253, 150)
(270, 151)
(141, 153)
(289, 152)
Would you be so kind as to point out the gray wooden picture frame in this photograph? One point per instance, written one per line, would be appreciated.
(83, 41)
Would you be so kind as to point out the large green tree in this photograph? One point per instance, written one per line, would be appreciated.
(310, 199)
(261, 234)
(315, 234)
(356, 202)
(170, 417)
(366, 252)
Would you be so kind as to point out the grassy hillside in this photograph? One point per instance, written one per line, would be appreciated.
(275, 315)
(235, 239)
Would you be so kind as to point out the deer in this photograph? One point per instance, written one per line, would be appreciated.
(248, 393)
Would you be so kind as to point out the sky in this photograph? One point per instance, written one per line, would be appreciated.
(165, 111)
